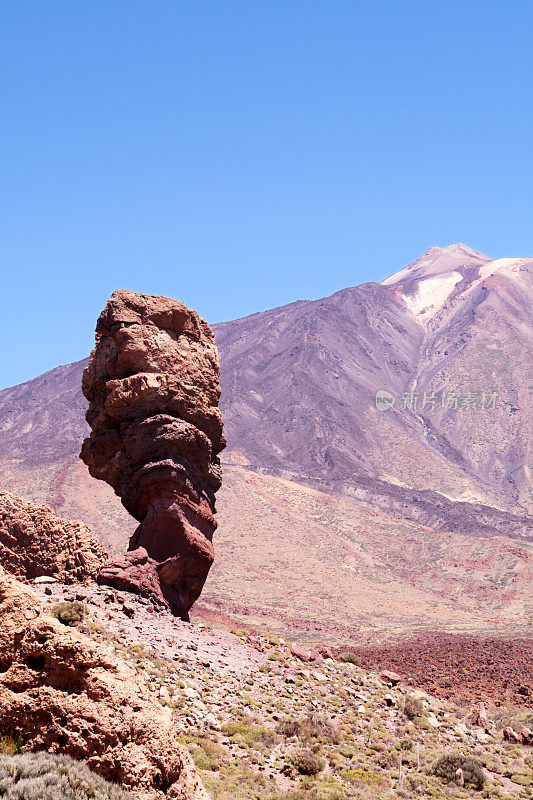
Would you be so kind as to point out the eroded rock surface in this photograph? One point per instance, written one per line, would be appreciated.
(64, 693)
(34, 542)
(156, 431)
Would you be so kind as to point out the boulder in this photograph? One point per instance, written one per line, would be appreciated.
(526, 735)
(153, 388)
(392, 678)
(36, 545)
(478, 717)
(300, 653)
(64, 693)
(510, 735)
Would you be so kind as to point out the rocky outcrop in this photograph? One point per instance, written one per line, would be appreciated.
(478, 717)
(34, 542)
(156, 431)
(64, 693)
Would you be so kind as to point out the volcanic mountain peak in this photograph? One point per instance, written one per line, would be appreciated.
(428, 285)
(438, 261)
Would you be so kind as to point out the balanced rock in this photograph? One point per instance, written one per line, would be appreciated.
(63, 693)
(156, 431)
(34, 543)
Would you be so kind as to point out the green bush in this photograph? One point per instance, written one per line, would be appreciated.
(349, 657)
(448, 764)
(307, 762)
(412, 706)
(207, 754)
(248, 733)
(69, 613)
(36, 776)
(10, 746)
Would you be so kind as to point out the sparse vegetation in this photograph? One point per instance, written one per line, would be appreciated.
(412, 706)
(307, 762)
(206, 753)
(40, 776)
(248, 733)
(10, 746)
(69, 613)
(261, 729)
(472, 771)
(350, 658)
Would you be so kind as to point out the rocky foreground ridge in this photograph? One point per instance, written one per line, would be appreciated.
(35, 542)
(265, 718)
(64, 693)
(156, 431)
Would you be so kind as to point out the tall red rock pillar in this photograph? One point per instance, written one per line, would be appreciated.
(153, 388)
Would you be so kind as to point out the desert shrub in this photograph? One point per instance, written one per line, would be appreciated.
(203, 760)
(320, 725)
(290, 727)
(317, 725)
(234, 782)
(248, 732)
(69, 613)
(522, 778)
(360, 776)
(412, 706)
(312, 793)
(307, 762)
(207, 754)
(35, 776)
(447, 765)
(349, 657)
(10, 746)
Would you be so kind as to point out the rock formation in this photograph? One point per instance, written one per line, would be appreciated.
(153, 387)
(34, 542)
(64, 693)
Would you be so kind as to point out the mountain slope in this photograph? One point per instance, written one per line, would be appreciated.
(299, 382)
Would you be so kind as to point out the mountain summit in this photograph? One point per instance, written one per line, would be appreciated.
(439, 261)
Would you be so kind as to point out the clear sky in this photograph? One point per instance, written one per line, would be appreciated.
(242, 154)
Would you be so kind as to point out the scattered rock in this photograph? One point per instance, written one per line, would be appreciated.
(315, 656)
(392, 678)
(510, 735)
(300, 653)
(478, 716)
(153, 388)
(527, 736)
(128, 610)
(37, 546)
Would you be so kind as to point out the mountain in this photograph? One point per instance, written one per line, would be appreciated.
(339, 514)
(300, 382)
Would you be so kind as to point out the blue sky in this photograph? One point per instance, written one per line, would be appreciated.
(242, 154)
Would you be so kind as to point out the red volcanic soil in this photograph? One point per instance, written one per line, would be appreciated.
(461, 668)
